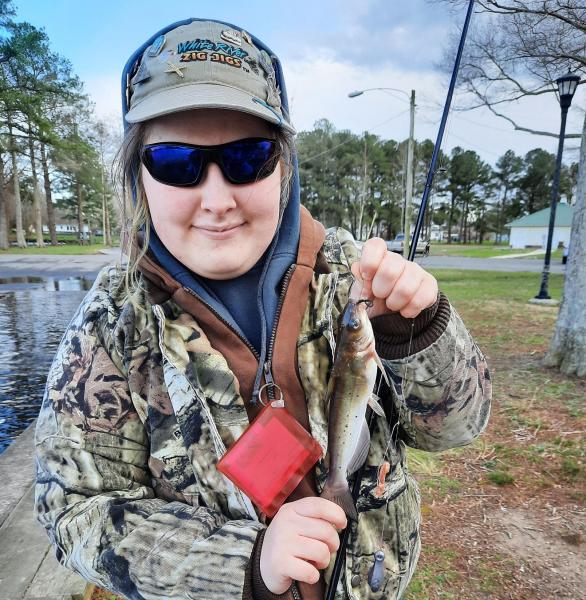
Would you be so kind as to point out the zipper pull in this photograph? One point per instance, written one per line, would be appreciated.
(269, 383)
(268, 374)
(271, 387)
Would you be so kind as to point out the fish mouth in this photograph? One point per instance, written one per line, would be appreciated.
(366, 301)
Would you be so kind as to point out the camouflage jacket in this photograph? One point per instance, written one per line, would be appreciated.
(139, 406)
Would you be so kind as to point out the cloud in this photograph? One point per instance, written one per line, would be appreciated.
(379, 32)
(318, 88)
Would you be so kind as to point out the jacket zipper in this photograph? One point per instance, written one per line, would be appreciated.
(268, 375)
(268, 363)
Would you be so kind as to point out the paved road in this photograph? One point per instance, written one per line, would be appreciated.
(532, 265)
(55, 266)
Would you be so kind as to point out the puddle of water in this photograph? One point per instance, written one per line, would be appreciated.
(49, 284)
(32, 321)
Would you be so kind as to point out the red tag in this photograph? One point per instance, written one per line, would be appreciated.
(270, 458)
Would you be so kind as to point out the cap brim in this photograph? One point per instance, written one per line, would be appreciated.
(202, 95)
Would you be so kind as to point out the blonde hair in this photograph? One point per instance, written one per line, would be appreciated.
(135, 209)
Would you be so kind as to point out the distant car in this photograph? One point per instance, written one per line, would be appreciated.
(398, 245)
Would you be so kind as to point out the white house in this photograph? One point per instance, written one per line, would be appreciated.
(63, 224)
(530, 231)
(436, 234)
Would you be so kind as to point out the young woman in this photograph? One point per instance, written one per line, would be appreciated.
(232, 286)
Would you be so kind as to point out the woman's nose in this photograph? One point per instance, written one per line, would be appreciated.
(216, 192)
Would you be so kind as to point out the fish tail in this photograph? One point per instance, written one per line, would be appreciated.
(340, 494)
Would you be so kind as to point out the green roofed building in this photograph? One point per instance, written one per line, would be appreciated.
(530, 231)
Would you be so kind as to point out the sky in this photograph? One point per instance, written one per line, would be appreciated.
(327, 48)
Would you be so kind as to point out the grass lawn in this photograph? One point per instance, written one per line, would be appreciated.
(495, 512)
(476, 287)
(64, 249)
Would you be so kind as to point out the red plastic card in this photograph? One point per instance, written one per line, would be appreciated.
(270, 458)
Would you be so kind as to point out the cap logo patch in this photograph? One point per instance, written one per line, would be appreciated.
(213, 56)
(157, 46)
(252, 64)
(232, 36)
(173, 68)
(199, 44)
(273, 95)
(141, 75)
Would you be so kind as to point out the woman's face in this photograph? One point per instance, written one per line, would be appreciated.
(217, 229)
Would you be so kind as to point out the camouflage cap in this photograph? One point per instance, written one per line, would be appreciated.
(205, 64)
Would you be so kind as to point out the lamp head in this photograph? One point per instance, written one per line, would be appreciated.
(567, 85)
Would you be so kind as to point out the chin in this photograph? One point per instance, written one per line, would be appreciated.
(226, 272)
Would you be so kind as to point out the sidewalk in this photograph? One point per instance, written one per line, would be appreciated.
(57, 265)
(521, 255)
(28, 568)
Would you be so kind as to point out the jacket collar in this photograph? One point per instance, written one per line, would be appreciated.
(161, 286)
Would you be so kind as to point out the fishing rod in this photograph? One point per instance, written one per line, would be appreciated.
(424, 200)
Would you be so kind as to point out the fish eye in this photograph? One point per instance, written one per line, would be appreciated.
(354, 323)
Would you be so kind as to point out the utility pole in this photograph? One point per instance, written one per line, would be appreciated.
(409, 186)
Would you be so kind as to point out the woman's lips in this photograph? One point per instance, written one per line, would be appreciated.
(219, 233)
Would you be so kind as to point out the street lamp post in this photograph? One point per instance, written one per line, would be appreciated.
(409, 182)
(567, 87)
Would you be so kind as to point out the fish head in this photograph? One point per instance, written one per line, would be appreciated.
(355, 327)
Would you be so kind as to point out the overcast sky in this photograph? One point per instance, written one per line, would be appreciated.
(328, 48)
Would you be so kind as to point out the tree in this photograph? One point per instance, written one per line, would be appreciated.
(466, 174)
(422, 157)
(80, 181)
(568, 345)
(535, 183)
(507, 173)
(36, 87)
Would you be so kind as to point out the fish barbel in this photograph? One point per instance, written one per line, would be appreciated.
(350, 389)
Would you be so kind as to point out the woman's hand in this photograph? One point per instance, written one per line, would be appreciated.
(393, 283)
(300, 540)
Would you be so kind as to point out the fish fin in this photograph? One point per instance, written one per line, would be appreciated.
(379, 364)
(374, 403)
(340, 494)
(361, 449)
(330, 393)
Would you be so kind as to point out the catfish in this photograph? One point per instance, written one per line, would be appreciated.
(350, 390)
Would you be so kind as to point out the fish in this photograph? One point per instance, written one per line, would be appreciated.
(350, 390)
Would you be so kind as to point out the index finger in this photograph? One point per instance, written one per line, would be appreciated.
(320, 508)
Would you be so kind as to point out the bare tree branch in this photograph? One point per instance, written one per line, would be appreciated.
(527, 129)
(503, 9)
(518, 49)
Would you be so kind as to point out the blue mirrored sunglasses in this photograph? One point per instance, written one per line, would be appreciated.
(183, 165)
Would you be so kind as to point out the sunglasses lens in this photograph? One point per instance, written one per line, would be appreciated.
(173, 165)
(248, 160)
